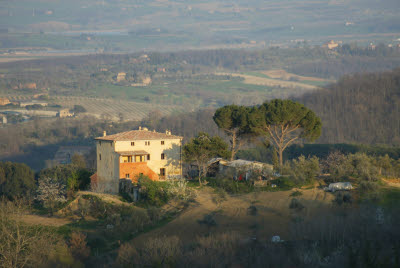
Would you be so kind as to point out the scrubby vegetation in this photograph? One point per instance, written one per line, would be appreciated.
(350, 238)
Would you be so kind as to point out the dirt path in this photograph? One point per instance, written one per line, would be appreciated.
(282, 74)
(44, 220)
(393, 182)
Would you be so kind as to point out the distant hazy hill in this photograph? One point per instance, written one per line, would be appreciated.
(206, 22)
(360, 109)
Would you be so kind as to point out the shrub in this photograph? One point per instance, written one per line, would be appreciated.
(216, 250)
(16, 180)
(153, 193)
(156, 252)
(296, 193)
(78, 246)
(252, 210)
(337, 166)
(72, 176)
(231, 186)
(24, 245)
(343, 198)
(154, 214)
(51, 193)
(284, 183)
(302, 170)
(135, 221)
(208, 220)
(296, 204)
(221, 195)
(363, 167)
(180, 190)
(368, 186)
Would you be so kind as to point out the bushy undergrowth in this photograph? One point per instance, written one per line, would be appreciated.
(158, 193)
(25, 245)
(366, 236)
(231, 186)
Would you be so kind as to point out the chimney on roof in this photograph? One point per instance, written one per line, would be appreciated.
(104, 133)
(140, 128)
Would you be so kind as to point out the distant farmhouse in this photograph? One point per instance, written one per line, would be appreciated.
(4, 101)
(31, 85)
(123, 157)
(331, 44)
(121, 76)
(64, 154)
(3, 119)
(64, 113)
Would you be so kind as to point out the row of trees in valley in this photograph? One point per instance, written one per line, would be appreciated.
(80, 75)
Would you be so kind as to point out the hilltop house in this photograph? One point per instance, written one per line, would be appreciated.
(124, 156)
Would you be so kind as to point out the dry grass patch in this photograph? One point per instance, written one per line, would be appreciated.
(282, 74)
(263, 81)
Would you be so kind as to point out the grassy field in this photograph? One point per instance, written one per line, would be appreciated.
(112, 109)
(231, 213)
(285, 77)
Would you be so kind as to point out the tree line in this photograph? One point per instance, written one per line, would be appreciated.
(360, 108)
(279, 122)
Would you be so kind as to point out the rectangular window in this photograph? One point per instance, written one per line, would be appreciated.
(162, 142)
(99, 156)
(127, 159)
(148, 157)
(127, 175)
(162, 172)
(132, 143)
(100, 143)
(162, 156)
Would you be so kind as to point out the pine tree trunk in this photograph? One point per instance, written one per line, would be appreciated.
(233, 146)
(280, 152)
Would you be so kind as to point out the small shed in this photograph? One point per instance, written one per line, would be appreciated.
(244, 169)
(339, 186)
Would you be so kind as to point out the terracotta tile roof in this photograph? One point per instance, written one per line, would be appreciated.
(138, 135)
(139, 152)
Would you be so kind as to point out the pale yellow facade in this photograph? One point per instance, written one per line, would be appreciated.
(157, 155)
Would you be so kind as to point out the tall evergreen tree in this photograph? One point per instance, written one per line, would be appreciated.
(283, 122)
(233, 120)
(201, 149)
